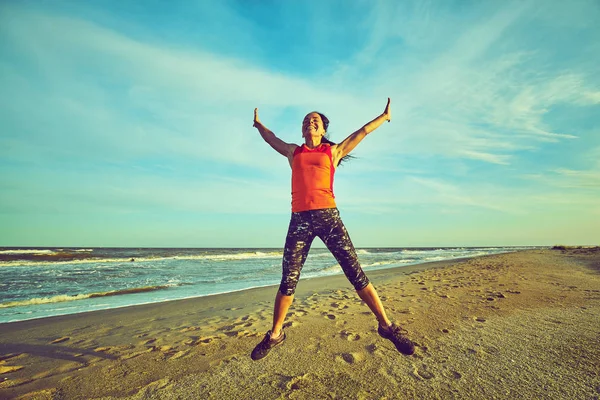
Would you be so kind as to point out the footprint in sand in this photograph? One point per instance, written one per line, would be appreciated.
(349, 336)
(422, 372)
(291, 324)
(350, 358)
(167, 349)
(452, 374)
(190, 328)
(227, 327)
(299, 382)
(480, 319)
(179, 354)
(371, 348)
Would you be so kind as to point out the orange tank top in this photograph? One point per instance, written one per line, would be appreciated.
(312, 178)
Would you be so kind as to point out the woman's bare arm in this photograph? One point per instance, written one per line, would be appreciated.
(343, 148)
(283, 148)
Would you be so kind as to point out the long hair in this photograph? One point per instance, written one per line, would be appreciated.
(325, 139)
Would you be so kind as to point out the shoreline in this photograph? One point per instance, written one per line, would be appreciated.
(521, 324)
(386, 272)
(79, 256)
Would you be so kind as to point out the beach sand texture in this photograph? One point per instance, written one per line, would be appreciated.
(520, 325)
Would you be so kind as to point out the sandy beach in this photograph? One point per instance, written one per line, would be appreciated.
(518, 325)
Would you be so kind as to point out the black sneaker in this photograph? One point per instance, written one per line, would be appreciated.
(262, 349)
(402, 343)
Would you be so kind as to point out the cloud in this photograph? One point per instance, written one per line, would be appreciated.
(100, 89)
(451, 195)
(481, 94)
(578, 178)
(491, 158)
(138, 192)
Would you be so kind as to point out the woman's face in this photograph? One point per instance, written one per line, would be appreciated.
(312, 125)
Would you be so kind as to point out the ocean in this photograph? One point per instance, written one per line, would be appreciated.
(43, 282)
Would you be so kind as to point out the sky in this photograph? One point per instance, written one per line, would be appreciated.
(129, 124)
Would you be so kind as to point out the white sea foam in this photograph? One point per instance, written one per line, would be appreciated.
(385, 262)
(44, 300)
(28, 251)
(65, 297)
(209, 257)
(234, 256)
(332, 268)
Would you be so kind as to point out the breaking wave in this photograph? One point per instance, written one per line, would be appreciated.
(65, 297)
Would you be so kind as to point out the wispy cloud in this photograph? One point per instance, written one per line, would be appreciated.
(107, 89)
(485, 95)
(574, 179)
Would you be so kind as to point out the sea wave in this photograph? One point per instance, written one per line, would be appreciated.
(31, 263)
(385, 262)
(331, 268)
(234, 256)
(133, 260)
(28, 251)
(65, 297)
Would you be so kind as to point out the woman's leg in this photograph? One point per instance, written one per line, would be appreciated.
(297, 244)
(336, 238)
(369, 295)
(282, 305)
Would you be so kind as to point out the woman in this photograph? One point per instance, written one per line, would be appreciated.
(314, 213)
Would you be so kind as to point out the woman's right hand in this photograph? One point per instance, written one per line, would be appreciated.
(256, 120)
(387, 113)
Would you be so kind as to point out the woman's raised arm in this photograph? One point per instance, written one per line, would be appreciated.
(343, 148)
(283, 148)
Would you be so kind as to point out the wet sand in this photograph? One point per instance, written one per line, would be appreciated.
(518, 325)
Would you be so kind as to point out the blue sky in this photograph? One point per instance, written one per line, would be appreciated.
(130, 123)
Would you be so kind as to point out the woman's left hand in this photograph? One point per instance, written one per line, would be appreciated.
(388, 113)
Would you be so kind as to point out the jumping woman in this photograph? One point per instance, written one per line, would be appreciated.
(314, 213)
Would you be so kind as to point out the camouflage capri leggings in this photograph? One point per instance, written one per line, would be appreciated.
(326, 224)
